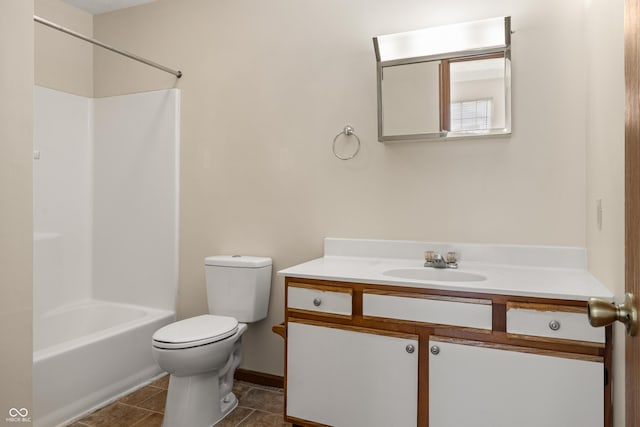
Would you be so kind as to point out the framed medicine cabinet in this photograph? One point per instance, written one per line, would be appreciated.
(452, 81)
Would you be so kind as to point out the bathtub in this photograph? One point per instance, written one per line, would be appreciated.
(88, 354)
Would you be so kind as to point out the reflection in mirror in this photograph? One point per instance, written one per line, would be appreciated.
(427, 89)
(476, 92)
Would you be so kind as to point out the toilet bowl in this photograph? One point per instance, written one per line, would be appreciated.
(202, 353)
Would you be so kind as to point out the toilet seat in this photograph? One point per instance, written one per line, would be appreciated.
(195, 331)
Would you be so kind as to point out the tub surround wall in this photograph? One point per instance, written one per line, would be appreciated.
(105, 197)
(135, 220)
(62, 197)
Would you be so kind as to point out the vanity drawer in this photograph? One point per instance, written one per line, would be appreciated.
(321, 299)
(463, 312)
(551, 321)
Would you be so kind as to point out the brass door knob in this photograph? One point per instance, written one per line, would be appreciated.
(604, 313)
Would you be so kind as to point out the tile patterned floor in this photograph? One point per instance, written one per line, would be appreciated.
(258, 407)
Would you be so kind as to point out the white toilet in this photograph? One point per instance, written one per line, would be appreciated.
(203, 352)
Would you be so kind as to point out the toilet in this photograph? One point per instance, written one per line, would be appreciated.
(202, 353)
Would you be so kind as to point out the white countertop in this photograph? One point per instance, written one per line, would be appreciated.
(573, 283)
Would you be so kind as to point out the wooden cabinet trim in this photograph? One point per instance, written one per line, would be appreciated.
(280, 329)
(562, 346)
(546, 307)
(300, 311)
(324, 288)
(354, 328)
(499, 318)
(537, 339)
(529, 350)
(306, 423)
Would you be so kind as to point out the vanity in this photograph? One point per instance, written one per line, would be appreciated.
(375, 338)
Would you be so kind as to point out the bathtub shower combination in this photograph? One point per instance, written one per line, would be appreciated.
(105, 245)
(87, 354)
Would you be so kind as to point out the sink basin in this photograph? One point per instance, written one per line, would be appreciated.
(440, 275)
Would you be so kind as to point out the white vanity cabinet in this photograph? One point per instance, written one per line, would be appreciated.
(367, 355)
(345, 377)
(471, 384)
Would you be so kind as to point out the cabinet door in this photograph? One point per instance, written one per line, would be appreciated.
(499, 387)
(349, 378)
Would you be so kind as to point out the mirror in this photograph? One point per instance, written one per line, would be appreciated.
(426, 90)
(411, 99)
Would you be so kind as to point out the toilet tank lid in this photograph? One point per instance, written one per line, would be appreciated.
(237, 261)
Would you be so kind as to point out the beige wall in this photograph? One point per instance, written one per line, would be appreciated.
(605, 163)
(63, 62)
(267, 86)
(16, 86)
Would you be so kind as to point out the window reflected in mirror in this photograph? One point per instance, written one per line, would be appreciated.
(474, 93)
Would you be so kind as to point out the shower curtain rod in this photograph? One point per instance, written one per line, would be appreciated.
(176, 73)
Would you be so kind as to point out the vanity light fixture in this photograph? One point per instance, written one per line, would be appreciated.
(488, 35)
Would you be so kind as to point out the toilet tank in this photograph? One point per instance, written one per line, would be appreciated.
(238, 286)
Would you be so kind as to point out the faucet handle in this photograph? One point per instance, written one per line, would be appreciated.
(452, 257)
(428, 256)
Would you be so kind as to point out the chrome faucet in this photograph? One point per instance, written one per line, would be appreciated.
(435, 260)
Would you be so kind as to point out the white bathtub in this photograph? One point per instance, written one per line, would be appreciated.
(88, 354)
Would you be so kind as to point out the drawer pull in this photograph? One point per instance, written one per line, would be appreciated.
(554, 325)
(410, 348)
(317, 302)
(435, 350)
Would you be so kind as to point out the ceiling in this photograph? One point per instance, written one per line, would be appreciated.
(96, 7)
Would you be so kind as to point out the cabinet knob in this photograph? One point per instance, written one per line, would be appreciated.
(317, 302)
(435, 350)
(410, 348)
(554, 325)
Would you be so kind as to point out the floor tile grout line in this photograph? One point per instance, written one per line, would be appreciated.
(260, 410)
(140, 407)
(140, 421)
(160, 390)
(262, 388)
(245, 418)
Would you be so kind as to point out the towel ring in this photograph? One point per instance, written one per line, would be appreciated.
(347, 131)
